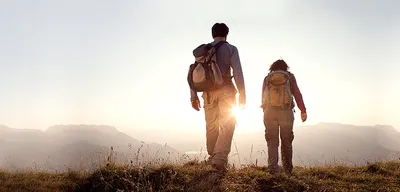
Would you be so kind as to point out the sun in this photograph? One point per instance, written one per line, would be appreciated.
(248, 118)
(245, 116)
(237, 112)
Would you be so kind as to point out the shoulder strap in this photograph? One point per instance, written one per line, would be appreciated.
(216, 46)
(219, 44)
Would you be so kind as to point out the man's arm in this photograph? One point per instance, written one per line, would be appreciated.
(297, 94)
(237, 71)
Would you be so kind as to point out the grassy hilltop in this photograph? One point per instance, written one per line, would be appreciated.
(195, 176)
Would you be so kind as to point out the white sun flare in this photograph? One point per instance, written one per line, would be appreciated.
(248, 118)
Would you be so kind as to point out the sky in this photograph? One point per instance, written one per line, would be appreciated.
(124, 63)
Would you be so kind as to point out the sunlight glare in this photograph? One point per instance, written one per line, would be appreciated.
(247, 119)
(237, 111)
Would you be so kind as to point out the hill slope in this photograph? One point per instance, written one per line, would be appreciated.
(199, 177)
(64, 147)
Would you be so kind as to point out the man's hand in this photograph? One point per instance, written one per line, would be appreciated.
(303, 116)
(242, 101)
(196, 104)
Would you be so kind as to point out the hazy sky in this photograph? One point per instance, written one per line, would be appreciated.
(124, 63)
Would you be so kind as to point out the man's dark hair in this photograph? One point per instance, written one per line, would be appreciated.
(279, 65)
(219, 30)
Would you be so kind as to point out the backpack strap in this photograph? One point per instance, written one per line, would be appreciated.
(216, 46)
(219, 44)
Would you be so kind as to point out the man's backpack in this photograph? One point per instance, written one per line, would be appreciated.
(205, 74)
(277, 91)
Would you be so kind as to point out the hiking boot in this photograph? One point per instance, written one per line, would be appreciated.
(288, 171)
(273, 171)
(220, 168)
(209, 160)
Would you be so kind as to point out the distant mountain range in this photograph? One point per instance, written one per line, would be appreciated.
(63, 147)
(321, 144)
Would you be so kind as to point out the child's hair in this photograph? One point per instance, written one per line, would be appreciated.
(279, 64)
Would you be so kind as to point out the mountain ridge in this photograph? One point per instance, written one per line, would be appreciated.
(319, 144)
(61, 146)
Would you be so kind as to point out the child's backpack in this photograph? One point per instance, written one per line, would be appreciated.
(277, 91)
